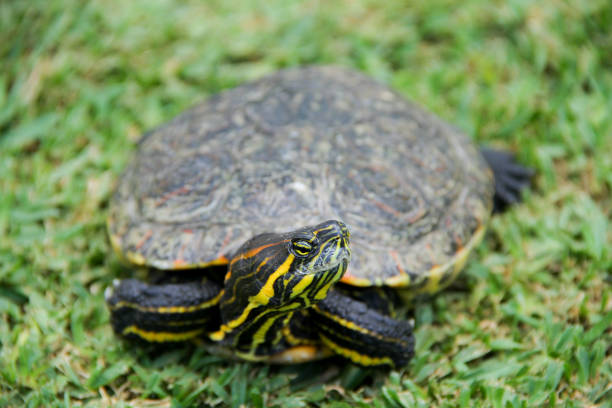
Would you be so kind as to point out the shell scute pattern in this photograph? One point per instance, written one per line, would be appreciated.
(295, 148)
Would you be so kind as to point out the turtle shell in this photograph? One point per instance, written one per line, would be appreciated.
(296, 148)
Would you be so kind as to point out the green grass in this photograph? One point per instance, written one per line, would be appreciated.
(529, 323)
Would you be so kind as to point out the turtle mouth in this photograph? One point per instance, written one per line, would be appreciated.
(342, 260)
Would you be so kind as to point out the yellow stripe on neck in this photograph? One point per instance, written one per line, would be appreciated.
(299, 288)
(260, 335)
(322, 293)
(260, 299)
(267, 291)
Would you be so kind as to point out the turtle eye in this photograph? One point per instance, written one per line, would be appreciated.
(301, 248)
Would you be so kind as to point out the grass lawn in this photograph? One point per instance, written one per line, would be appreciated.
(529, 322)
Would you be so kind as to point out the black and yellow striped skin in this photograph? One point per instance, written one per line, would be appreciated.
(362, 334)
(270, 278)
(277, 304)
(164, 313)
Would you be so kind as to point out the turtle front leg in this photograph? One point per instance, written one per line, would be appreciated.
(361, 334)
(163, 313)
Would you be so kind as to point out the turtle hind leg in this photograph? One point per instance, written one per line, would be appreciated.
(363, 335)
(163, 313)
(510, 177)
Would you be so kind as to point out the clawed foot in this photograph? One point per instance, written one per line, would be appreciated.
(510, 177)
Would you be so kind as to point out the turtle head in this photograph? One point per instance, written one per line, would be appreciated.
(272, 269)
(276, 274)
(319, 253)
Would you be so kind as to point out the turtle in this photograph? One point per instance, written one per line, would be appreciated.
(278, 220)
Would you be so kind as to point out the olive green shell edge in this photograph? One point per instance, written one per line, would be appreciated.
(136, 259)
(432, 281)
